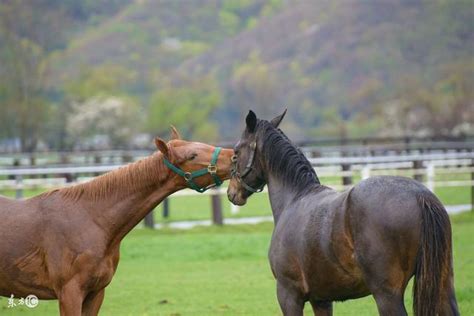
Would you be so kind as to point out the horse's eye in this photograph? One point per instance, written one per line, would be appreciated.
(192, 156)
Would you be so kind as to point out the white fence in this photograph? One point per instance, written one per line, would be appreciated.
(431, 166)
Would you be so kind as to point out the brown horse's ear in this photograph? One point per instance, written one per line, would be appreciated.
(251, 121)
(174, 133)
(277, 120)
(163, 147)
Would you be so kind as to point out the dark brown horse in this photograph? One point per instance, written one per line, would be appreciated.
(64, 244)
(329, 246)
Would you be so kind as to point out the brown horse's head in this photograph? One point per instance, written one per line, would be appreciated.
(194, 157)
(247, 169)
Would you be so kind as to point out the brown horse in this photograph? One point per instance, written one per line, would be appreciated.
(329, 246)
(64, 244)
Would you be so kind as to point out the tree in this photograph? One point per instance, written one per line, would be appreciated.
(189, 107)
(116, 119)
(444, 107)
(24, 110)
(254, 86)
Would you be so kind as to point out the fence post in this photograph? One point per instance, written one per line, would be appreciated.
(472, 185)
(19, 187)
(430, 176)
(98, 161)
(418, 165)
(127, 157)
(16, 163)
(346, 180)
(365, 173)
(217, 218)
(33, 164)
(166, 208)
(68, 176)
(149, 221)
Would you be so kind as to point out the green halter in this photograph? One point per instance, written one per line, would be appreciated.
(189, 176)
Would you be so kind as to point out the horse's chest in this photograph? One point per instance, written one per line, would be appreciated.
(101, 273)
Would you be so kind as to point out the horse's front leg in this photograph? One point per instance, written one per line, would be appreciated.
(321, 308)
(92, 303)
(70, 299)
(291, 302)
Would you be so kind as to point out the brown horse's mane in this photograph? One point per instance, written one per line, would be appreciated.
(131, 178)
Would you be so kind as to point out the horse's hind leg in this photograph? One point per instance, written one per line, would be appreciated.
(321, 308)
(291, 302)
(386, 279)
(390, 304)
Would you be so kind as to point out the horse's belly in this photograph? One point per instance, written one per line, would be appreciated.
(25, 273)
(338, 290)
(20, 287)
(335, 280)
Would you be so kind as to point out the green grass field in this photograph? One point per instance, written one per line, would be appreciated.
(225, 271)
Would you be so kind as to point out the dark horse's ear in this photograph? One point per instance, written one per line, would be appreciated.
(277, 120)
(174, 133)
(251, 121)
(163, 147)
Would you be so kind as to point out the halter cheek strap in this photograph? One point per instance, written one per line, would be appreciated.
(240, 176)
(190, 176)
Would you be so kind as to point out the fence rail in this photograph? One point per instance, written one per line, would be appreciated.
(427, 165)
(324, 147)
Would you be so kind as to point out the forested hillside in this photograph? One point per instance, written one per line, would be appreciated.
(343, 68)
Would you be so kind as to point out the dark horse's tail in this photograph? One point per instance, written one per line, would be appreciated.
(433, 291)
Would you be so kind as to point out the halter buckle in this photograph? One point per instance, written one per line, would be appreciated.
(187, 176)
(212, 169)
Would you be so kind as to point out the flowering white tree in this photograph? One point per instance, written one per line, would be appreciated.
(116, 119)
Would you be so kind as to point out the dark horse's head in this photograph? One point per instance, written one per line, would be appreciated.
(247, 171)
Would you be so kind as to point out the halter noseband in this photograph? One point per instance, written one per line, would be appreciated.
(189, 176)
(240, 176)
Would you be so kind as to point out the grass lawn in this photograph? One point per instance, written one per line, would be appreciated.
(225, 271)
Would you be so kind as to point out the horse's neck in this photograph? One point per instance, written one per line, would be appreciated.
(131, 209)
(280, 196)
(118, 201)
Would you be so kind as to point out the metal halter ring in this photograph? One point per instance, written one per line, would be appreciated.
(187, 176)
(212, 169)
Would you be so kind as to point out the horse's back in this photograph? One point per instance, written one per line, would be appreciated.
(389, 200)
(18, 212)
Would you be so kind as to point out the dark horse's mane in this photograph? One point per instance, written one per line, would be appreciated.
(285, 159)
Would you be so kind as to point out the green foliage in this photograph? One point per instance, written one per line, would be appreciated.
(105, 80)
(228, 21)
(254, 84)
(362, 61)
(24, 109)
(442, 107)
(189, 108)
